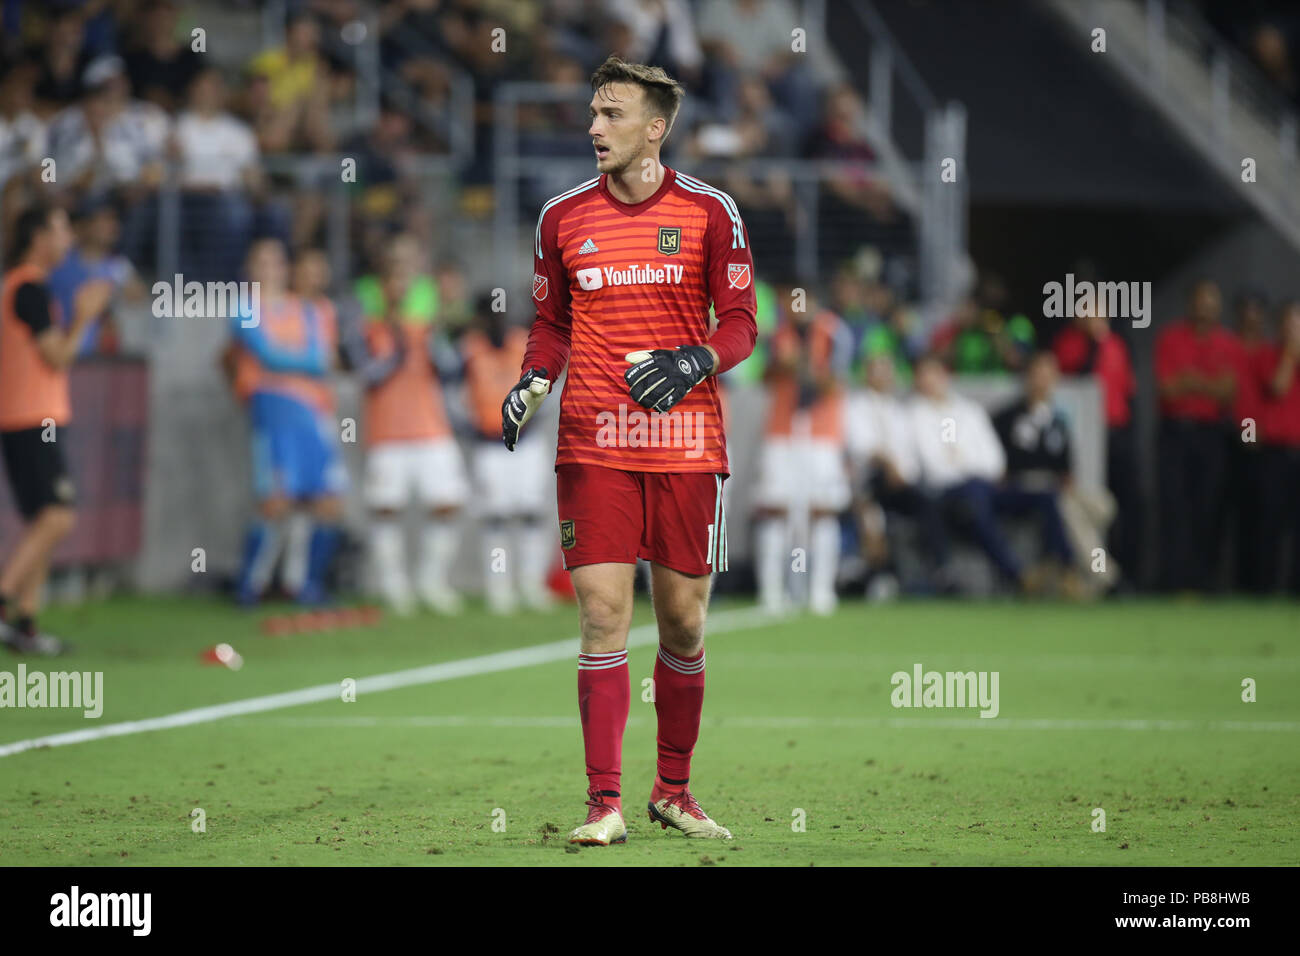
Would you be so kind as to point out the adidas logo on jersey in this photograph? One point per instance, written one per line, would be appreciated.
(587, 247)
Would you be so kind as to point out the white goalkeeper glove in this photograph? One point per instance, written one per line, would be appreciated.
(524, 399)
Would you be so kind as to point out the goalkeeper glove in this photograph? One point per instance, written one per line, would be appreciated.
(660, 379)
(523, 400)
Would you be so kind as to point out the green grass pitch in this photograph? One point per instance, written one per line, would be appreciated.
(1134, 708)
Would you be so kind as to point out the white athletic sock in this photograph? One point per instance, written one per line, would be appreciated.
(534, 550)
(499, 572)
(297, 543)
(772, 547)
(823, 561)
(267, 555)
(388, 562)
(439, 539)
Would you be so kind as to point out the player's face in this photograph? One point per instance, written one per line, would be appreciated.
(267, 266)
(311, 274)
(1042, 377)
(880, 373)
(618, 126)
(931, 379)
(58, 233)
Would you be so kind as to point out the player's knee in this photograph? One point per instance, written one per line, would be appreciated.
(275, 508)
(681, 629)
(327, 509)
(604, 619)
(58, 521)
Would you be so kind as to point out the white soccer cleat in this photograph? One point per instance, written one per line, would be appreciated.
(682, 812)
(440, 598)
(604, 825)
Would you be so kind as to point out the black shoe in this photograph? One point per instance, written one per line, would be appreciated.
(39, 645)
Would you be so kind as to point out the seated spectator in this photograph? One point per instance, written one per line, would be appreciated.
(1090, 347)
(109, 140)
(963, 463)
(290, 92)
(885, 476)
(661, 32)
(93, 257)
(22, 133)
(63, 60)
(1036, 439)
(221, 182)
(758, 129)
(161, 68)
(979, 340)
(752, 37)
(1277, 372)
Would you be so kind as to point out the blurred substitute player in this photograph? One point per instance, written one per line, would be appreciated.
(627, 265)
(802, 465)
(410, 449)
(35, 353)
(285, 358)
(492, 352)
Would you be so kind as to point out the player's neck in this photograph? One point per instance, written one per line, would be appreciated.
(633, 186)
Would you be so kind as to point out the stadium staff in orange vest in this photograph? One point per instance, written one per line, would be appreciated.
(35, 353)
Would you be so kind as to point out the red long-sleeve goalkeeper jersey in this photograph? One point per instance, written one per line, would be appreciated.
(611, 278)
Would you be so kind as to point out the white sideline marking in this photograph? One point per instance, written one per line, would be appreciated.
(719, 623)
(794, 723)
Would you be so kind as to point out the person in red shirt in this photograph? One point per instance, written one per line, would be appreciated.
(1197, 367)
(1091, 347)
(1277, 375)
(627, 265)
(1240, 508)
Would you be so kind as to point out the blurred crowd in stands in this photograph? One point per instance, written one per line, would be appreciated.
(117, 93)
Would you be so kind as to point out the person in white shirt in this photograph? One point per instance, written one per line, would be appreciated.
(886, 480)
(22, 134)
(220, 174)
(962, 461)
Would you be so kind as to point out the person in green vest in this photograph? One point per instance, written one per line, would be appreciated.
(894, 338)
(420, 304)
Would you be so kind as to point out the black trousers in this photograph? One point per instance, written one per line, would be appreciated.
(1127, 532)
(1191, 478)
(1279, 542)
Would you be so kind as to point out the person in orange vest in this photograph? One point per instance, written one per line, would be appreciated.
(287, 355)
(492, 351)
(803, 466)
(410, 450)
(36, 351)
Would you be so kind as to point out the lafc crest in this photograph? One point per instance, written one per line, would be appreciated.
(670, 240)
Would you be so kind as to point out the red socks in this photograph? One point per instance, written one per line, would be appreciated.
(679, 699)
(603, 700)
(604, 694)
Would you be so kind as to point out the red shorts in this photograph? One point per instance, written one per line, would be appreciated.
(676, 520)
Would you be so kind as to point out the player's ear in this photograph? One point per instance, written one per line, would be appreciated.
(658, 129)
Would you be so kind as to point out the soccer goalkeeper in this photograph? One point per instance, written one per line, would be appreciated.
(627, 265)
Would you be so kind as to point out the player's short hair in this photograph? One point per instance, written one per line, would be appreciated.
(30, 221)
(663, 94)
